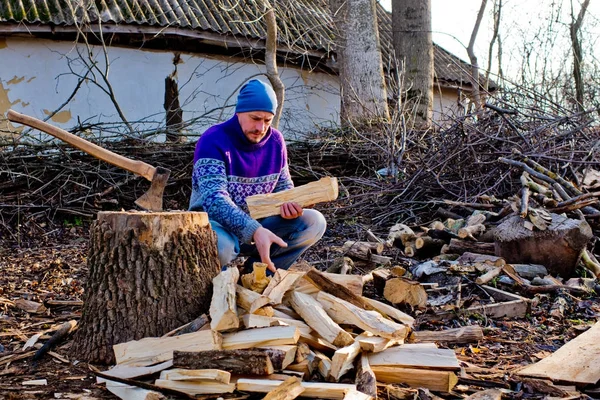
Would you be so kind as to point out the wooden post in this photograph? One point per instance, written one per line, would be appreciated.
(148, 274)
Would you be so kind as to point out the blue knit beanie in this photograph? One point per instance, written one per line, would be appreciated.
(256, 96)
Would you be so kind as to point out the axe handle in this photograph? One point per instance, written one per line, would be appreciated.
(137, 167)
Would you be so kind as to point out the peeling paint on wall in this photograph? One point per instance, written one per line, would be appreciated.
(6, 128)
(16, 80)
(62, 117)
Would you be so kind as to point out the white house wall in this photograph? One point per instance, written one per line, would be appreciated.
(37, 78)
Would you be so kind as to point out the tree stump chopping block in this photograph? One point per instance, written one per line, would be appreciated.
(557, 248)
(149, 273)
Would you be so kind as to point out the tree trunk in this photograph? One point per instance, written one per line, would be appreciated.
(411, 25)
(148, 274)
(578, 53)
(363, 89)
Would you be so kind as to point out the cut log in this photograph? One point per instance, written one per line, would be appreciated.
(439, 381)
(287, 390)
(205, 375)
(474, 258)
(458, 246)
(324, 283)
(343, 312)
(466, 334)
(362, 250)
(302, 352)
(354, 283)
(282, 282)
(274, 336)
(324, 365)
(352, 394)
(557, 248)
(341, 265)
(223, 309)
(281, 356)
(266, 205)
(159, 266)
(374, 344)
(471, 231)
(311, 389)
(404, 291)
(196, 387)
(489, 394)
(391, 312)
(313, 314)
(253, 302)
(343, 360)
(428, 246)
(150, 351)
(407, 356)
(240, 362)
(256, 280)
(366, 382)
(575, 362)
(380, 277)
(488, 276)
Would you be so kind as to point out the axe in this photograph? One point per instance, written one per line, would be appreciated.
(151, 200)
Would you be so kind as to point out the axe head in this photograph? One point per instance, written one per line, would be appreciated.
(152, 200)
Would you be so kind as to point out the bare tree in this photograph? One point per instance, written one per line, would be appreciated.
(364, 94)
(476, 93)
(495, 36)
(413, 45)
(577, 52)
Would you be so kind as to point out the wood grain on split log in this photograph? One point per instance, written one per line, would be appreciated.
(266, 205)
(362, 250)
(223, 308)
(240, 362)
(457, 246)
(401, 290)
(366, 382)
(253, 302)
(465, 334)
(315, 316)
(324, 283)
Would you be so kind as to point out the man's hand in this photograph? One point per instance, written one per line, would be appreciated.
(263, 239)
(290, 210)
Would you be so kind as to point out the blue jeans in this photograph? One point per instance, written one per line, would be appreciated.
(299, 234)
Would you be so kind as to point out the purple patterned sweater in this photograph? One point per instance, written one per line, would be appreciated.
(228, 168)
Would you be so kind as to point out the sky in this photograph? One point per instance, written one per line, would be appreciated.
(453, 21)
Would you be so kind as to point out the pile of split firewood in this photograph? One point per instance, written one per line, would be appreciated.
(300, 333)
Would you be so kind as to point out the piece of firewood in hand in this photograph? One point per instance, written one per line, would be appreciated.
(266, 205)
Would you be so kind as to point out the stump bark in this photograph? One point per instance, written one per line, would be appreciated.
(557, 248)
(149, 273)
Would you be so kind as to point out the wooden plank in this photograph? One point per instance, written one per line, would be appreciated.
(440, 381)
(239, 362)
(313, 314)
(266, 205)
(465, 334)
(343, 359)
(287, 390)
(415, 357)
(575, 362)
(391, 312)
(210, 375)
(311, 389)
(274, 336)
(343, 312)
(223, 308)
(196, 387)
(148, 351)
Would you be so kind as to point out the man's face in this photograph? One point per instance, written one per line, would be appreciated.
(255, 124)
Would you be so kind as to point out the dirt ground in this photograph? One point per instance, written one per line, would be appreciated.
(50, 269)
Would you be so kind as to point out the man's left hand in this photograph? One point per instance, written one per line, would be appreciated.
(290, 210)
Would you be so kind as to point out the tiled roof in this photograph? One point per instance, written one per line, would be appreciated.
(303, 24)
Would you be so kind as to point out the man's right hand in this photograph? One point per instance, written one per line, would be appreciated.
(263, 239)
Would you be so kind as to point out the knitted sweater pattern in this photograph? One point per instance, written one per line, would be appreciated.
(228, 168)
